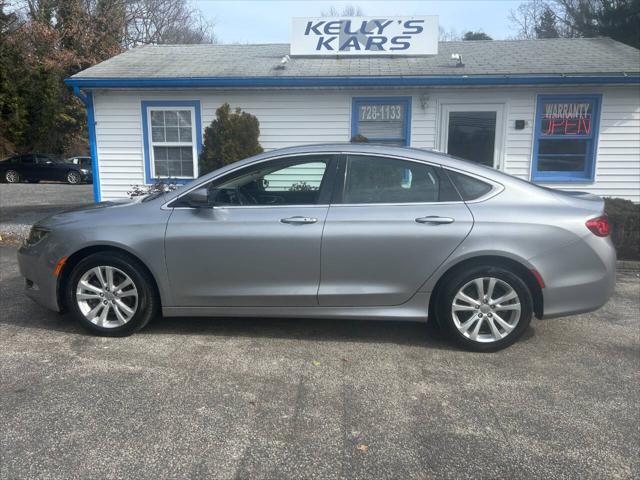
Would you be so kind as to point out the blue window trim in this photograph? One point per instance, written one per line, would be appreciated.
(145, 105)
(586, 176)
(406, 101)
(360, 81)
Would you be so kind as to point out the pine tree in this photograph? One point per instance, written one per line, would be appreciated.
(232, 136)
(546, 26)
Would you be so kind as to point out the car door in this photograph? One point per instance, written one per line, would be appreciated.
(391, 225)
(28, 168)
(258, 242)
(44, 168)
(53, 169)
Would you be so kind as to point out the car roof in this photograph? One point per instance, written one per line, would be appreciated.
(429, 155)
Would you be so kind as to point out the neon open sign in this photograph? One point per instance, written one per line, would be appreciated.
(566, 118)
(365, 36)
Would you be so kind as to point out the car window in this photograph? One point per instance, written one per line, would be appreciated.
(289, 182)
(470, 188)
(26, 159)
(388, 180)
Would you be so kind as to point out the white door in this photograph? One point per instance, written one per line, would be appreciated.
(473, 132)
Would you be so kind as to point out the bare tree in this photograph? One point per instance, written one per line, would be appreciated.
(165, 21)
(526, 17)
(9, 18)
(618, 19)
(347, 11)
(136, 22)
(450, 35)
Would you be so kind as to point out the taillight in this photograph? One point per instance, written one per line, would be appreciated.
(599, 226)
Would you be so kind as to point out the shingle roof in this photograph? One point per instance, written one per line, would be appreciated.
(495, 57)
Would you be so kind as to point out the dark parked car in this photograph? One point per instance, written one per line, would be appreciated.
(34, 167)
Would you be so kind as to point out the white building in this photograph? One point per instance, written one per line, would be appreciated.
(562, 112)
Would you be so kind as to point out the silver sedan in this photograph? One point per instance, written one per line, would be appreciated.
(344, 231)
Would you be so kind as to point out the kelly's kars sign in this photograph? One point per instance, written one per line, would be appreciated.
(365, 36)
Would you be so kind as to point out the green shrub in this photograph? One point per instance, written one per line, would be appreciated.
(624, 217)
(232, 136)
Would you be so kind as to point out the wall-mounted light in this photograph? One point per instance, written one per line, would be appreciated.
(458, 58)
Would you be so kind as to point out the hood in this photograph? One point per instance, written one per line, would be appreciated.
(73, 215)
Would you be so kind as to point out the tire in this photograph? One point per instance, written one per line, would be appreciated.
(11, 176)
(87, 304)
(73, 177)
(500, 324)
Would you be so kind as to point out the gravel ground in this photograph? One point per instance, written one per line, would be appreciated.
(280, 399)
(23, 204)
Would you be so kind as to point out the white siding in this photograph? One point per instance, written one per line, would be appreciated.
(295, 117)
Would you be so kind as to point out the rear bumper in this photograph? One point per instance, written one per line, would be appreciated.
(579, 277)
(41, 285)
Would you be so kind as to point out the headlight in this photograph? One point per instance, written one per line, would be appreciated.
(36, 235)
(85, 171)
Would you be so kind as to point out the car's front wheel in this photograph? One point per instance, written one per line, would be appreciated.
(73, 177)
(11, 176)
(111, 294)
(485, 308)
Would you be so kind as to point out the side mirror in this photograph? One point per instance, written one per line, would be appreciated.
(199, 198)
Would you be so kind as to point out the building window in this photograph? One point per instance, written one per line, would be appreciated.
(382, 120)
(172, 140)
(566, 133)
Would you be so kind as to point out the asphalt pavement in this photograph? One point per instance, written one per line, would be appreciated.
(306, 399)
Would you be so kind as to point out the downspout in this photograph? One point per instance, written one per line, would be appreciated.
(87, 99)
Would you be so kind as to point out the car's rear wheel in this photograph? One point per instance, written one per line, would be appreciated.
(73, 177)
(111, 294)
(485, 308)
(11, 176)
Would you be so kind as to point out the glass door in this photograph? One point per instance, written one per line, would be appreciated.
(473, 132)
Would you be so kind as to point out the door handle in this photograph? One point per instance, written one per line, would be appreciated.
(299, 220)
(433, 219)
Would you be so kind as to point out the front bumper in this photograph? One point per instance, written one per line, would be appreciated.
(41, 284)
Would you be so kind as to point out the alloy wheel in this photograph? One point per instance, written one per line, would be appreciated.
(73, 177)
(12, 176)
(107, 296)
(486, 309)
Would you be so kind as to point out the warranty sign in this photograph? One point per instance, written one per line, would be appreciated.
(365, 36)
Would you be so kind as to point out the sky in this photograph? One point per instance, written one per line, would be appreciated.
(267, 21)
